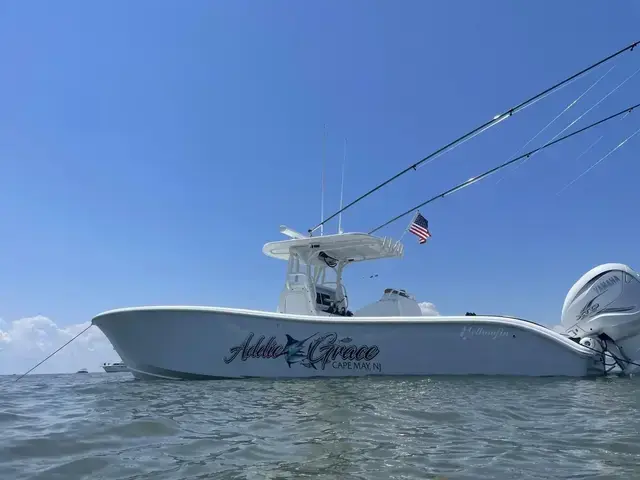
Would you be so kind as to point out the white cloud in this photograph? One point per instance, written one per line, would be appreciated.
(25, 342)
(428, 309)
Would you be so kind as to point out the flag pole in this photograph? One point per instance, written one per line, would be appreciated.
(407, 227)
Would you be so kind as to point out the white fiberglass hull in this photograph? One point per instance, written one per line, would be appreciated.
(215, 343)
(115, 368)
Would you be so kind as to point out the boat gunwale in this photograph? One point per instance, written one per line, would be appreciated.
(503, 321)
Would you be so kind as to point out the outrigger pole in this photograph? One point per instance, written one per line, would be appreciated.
(505, 164)
(498, 118)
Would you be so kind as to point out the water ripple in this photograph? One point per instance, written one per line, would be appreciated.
(112, 427)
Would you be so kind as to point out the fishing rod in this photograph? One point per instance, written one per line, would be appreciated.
(495, 120)
(505, 164)
(558, 116)
(602, 159)
(586, 112)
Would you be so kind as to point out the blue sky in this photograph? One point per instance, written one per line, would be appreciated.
(149, 149)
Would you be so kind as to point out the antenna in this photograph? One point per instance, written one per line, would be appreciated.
(324, 157)
(344, 160)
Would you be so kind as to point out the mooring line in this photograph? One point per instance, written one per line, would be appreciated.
(33, 368)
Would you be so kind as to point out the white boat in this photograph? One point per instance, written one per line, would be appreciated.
(314, 334)
(114, 367)
(83, 370)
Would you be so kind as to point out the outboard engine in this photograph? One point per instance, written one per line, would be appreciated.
(602, 312)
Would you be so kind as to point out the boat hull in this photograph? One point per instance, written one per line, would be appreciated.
(214, 343)
(115, 368)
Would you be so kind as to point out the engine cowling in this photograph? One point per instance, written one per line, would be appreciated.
(605, 300)
(605, 305)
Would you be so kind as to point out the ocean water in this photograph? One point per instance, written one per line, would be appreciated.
(110, 426)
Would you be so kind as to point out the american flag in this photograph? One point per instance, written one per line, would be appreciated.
(420, 228)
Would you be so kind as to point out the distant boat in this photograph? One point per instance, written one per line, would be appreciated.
(114, 367)
(83, 370)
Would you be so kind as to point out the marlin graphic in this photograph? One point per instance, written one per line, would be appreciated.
(293, 349)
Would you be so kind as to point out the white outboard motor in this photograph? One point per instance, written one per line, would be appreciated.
(602, 312)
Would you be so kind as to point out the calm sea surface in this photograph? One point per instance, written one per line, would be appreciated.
(109, 426)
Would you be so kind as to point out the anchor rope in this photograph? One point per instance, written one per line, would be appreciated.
(48, 357)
